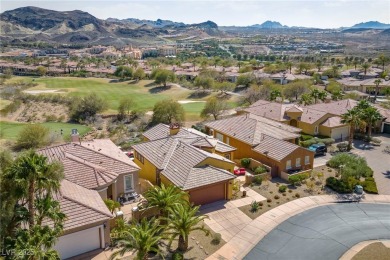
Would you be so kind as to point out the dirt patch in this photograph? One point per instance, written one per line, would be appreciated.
(373, 251)
(40, 112)
(270, 190)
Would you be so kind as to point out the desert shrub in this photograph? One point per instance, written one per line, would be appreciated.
(284, 194)
(305, 137)
(245, 162)
(216, 239)
(338, 185)
(254, 206)
(269, 200)
(297, 195)
(282, 188)
(258, 180)
(327, 141)
(177, 256)
(10, 108)
(353, 165)
(276, 197)
(342, 146)
(51, 118)
(260, 169)
(261, 204)
(369, 185)
(298, 178)
(32, 136)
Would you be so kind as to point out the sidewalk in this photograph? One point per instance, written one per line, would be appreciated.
(225, 217)
(240, 245)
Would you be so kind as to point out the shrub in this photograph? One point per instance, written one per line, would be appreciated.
(32, 136)
(297, 195)
(370, 186)
(177, 256)
(245, 162)
(282, 188)
(305, 137)
(254, 206)
(328, 141)
(260, 169)
(284, 194)
(376, 141)
(269, 200)
(290, 191)
(309, 142)
(338, 185)
(369, 179)
(352, 165)
(258, 180)
(261, 204)
(276, 197)
(342, 146)
(298, 178)
(216, 239)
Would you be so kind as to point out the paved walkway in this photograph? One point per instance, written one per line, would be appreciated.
(245, 240)
(225, 217)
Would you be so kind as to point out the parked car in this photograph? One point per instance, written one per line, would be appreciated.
(130, 154)
(240, 171)
(319, 149)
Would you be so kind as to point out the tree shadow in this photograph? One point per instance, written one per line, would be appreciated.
(198, 94)
(387, 174)
(114, 81)
(159, 89)
(133, 82)
(151, 84)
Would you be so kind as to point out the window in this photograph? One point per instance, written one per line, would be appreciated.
(288, 165)
(298, 162)
(316, 130)
(307, 159)
(227, 140)
(227, 156)
(128, 182)
(139, 157)
(219, 137)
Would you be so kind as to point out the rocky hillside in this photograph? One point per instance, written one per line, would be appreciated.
(29, 24)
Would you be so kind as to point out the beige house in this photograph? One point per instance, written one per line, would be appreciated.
(93, 171)
(188, 159)
(270, 142)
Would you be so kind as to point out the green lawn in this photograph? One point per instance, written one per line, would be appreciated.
(10, 130)
(144, 93)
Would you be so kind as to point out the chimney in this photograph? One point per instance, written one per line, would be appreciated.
(174, 128)
(75, 137)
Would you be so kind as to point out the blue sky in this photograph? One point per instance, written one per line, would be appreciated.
(314, 13)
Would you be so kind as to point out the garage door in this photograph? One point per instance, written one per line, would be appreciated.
(208, 194)
(340, 134)
(386, 128)
(78, 243)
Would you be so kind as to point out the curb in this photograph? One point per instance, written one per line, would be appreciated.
(245, 240)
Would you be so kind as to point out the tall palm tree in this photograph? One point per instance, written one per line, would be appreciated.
(142, 237)
(306, 99)
(31, 172)
(377, 82)
(353, 118)
(318, 94)
(362, 105)
(165, 197)
(382, 59)
(183, 219)
(365, 67)
(371, 115)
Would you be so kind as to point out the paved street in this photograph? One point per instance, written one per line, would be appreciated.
(324, 232)
(378, 161)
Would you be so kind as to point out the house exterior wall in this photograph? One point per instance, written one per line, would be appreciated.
(229, 154)
(244, 150)
(147, 171)
(120, 183)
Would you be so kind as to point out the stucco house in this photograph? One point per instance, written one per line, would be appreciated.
(268, 141)
(188, 160)
(93, 171)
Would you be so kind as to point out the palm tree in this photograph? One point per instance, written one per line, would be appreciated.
(142, 237)
(317, 94)
(112, 205)
(337, 95)
(289, 65)
(335, 70)
(365, 66)
(382, 59)
(377, 82)
(183, 219)
(275, 94)
(353, 118)
(371, 115)
(165, 197)
(355, 63)
(319, 65)
(306, 99)
(32, 173)
(362, 105)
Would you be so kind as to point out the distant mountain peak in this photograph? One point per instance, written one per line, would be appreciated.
(371, 25)
(270, 25)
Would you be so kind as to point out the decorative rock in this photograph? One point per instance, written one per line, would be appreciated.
(201, 247)
(193, 238)
(197, 242)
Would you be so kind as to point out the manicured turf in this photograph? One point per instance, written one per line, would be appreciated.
(10, 130)
(144, 93)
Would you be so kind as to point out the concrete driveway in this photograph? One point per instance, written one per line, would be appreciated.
(377, 160)
(324, 232)
(321, 160)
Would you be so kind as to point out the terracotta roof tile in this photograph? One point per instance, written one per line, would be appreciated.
(333, 122)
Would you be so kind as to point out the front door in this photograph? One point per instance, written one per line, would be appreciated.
(293, 123)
